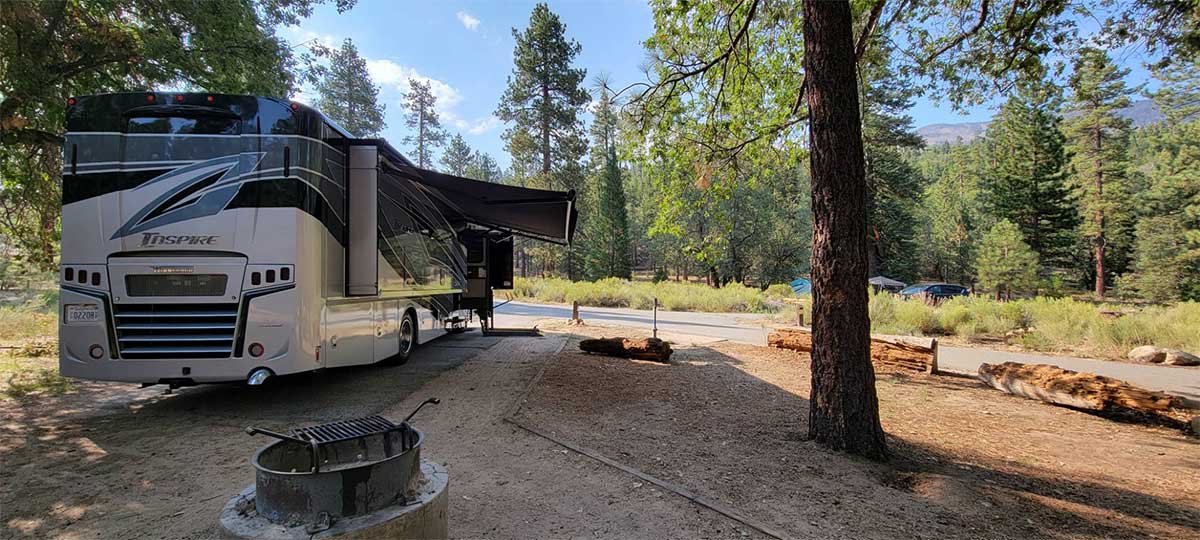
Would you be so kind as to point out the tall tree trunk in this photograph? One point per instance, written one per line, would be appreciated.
(546, 134)
(421, 139)
(844, 412)
(1100, 239)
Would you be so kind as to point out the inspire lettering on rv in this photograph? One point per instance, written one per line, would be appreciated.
(156, 239)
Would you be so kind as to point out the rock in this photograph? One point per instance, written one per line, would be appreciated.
(1176, 357)
(1148, 354)
(1196, 425)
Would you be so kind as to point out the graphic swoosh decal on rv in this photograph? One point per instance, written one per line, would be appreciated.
(209, 199)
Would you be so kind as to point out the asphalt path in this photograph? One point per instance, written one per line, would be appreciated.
(749, 328)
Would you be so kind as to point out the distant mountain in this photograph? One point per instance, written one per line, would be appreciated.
(962, 132)
(1142, 112)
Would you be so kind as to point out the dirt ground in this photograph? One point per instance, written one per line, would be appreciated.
(724, 421)
(729, 422)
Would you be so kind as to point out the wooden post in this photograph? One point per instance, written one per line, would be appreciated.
(799, 314)
(655, 330)
(575, 311)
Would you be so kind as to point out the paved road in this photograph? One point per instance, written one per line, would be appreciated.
(747, 328)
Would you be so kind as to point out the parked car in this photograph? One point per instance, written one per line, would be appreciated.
(935, 292)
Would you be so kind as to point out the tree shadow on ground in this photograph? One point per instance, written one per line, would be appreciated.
(713, 423)
(153, 465)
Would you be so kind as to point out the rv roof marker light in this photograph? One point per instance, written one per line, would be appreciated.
(149, 98)
(295, 106)
(71, 102)
(178, 98)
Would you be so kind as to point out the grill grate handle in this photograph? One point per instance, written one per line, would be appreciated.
(433, 400)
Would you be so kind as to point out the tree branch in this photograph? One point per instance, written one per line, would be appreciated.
(983, 16)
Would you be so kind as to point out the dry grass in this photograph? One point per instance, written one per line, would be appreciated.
(674, 296)
(23, 376)
(28, 348)
(1052, 324)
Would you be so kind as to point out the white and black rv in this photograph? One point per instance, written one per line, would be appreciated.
(210, 238)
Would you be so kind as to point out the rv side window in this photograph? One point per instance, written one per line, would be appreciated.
(176, 125)
(330, 135)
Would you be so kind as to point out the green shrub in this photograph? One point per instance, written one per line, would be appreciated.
(674, 296)
(27, 315)
(1052, 324)
(779, 291)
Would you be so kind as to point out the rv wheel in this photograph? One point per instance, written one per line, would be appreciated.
(408, 338)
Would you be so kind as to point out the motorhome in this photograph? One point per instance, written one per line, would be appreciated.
(215, 238)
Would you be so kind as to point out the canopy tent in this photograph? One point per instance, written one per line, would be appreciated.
(886, 283)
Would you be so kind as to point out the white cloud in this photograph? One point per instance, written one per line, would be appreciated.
(484, 125)
(388, 73)
(304, 95)
(393, 76)
(469, 22)
(297, 36)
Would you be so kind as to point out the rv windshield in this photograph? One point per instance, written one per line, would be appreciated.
(176, 125)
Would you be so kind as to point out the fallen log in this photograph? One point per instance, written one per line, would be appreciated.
(918, 354)
(1089, 391)
(653, 349)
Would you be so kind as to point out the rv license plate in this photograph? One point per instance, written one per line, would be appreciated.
(82, 313)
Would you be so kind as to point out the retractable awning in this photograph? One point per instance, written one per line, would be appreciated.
(533, 213)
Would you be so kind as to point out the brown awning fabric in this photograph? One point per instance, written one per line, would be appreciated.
(534, 213)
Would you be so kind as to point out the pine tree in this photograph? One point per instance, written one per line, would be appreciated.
(1178, 97)
(458, 156)
(1025, 173)
(420, 106)
(1166, 259)
(1099, 139)
(544, 97)
(483, 167)
(608, 253)
(543, 101)
(893, 185)
(1006, 263)
(346, 94)
(951, 215)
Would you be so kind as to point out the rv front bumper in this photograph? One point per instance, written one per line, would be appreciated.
(89, 350)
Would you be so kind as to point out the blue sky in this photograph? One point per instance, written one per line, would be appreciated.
(464, 50)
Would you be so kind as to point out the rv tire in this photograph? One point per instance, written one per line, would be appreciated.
(408, 339)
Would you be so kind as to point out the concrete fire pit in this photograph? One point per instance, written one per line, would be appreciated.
(361, 478)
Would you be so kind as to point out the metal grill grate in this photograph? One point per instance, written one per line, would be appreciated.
(344, 430)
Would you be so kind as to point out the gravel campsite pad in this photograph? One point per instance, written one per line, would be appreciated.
(729, 422)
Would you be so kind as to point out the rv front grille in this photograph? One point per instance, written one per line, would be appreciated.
(176, 330)
(176, 284)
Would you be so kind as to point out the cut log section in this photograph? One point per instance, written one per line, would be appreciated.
(1053, 384)
(891, 352)
(653, 349)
